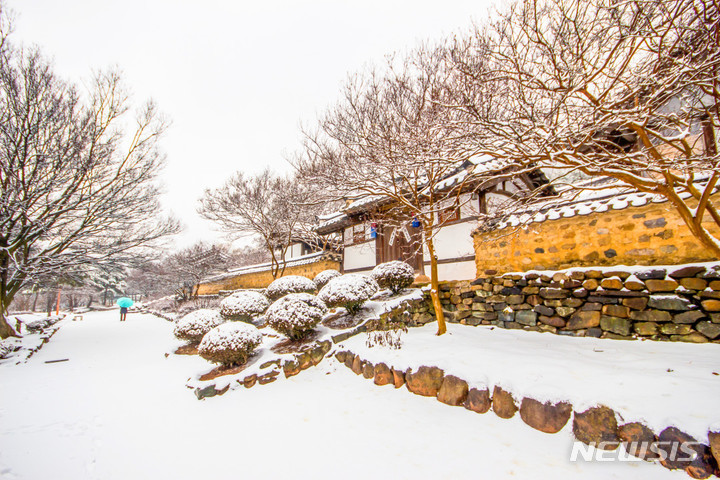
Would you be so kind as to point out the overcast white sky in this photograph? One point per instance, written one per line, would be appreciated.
(236, 78)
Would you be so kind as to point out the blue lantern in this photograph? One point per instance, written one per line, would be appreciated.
(373, 230)
(415, 222)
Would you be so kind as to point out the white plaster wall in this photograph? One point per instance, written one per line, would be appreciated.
(454, 241)
(456, 271)
(359, 256)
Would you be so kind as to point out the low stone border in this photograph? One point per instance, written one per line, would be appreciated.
(597, 425)
(270, 370)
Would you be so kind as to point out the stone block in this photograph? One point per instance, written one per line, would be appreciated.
(636, 303)
(637, 285)
(453, 391)
(383, 375)
(694, 283)
(692, 337)
(503, 403)
(526, 317)
(620, 326)
(544, 310)
(398, 378)
(709, 329)
(711, 305)
(651, 316)
(546, 417)
(583, 319)
(701, 466)
(675, 329)
(689, 271)
(596, 425)
(426, 381)
(654, 274)
(478, 400)
(688, 317)
(638, 440)
(553, 293)
(616, 310)
(646, 328)
(670, 302)
(553, 321)
(590, 284)
(612, 283)
(564, 311)
(661, 285)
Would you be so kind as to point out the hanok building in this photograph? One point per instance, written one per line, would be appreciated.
(368, 240)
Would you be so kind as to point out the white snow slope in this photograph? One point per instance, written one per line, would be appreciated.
(119, 409)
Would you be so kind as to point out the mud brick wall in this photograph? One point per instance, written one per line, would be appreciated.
(265, 278)
(681, 303)
(653, 234)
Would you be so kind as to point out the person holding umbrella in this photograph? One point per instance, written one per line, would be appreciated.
(124, 303)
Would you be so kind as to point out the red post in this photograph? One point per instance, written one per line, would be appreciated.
(57, 305)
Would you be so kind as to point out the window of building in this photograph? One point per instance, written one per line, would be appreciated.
(359, 233)
(449, 214)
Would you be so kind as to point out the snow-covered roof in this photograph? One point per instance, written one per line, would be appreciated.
(616, 197)
(261, 267)
(475, 165)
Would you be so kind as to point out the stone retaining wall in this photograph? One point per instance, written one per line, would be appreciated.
(680, 303)
(597, 426)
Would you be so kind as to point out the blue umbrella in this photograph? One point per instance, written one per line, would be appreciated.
(125, 302)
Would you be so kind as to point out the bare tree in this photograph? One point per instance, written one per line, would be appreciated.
(627, 90)
(391, 139)
(190, 265)
(265, 206)
(77, 189)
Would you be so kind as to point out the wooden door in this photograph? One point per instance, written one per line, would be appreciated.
(403, 243)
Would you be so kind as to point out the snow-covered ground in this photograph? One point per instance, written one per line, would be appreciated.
(119, 409)
(658, 383)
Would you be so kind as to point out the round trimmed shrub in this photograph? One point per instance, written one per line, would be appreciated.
(244, 305)
(290, 284)
(325, 276)
(295, 315)
(394, 275)
(349, 291)
(230, 343)
(195, 325)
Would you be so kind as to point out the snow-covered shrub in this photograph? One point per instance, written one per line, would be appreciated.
(230, 343)
(296, 314)
(244, 305)
(349, 291)
(290, 284)
(394, 275)
(322, 278)
(195, 325)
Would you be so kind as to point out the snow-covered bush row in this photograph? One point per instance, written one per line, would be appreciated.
(6, 348)
(244, 305)
(230, 343)
(195, 325)
(290, 284)
(296, 314)
(322, 278)
(349, 291)
(395, 275)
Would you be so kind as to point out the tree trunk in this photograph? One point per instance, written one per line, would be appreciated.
(434, 284)
(5, 329)
(5, 299)
(34, 306)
